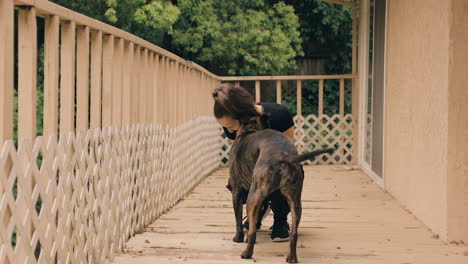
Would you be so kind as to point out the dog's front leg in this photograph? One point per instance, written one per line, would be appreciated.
(254, 202)
(237, 204)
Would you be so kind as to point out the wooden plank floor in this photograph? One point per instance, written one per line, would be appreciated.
(346, 219)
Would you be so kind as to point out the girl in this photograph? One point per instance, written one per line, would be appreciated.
(233, 103)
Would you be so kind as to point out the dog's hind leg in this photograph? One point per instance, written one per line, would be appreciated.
(237, 205)
(294, 199)
(254, 203)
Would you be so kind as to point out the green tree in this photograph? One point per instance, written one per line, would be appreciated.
(238, 37)
(149, 20)
(326, 29)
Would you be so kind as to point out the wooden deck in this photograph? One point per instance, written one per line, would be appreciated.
(346, 219)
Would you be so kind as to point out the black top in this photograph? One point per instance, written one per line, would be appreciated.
(278, 118)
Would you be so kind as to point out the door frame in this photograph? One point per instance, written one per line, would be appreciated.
(364, 31)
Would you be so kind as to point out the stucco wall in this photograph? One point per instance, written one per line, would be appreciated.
(457, 192)
(416, 108)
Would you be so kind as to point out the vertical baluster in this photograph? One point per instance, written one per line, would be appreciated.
(6, 69)
(96, 78)
(107, 65)
(185, 92)
(192, 78)
(82, 79)
(136, 86)
(126, 83)
(299, 97)
(278, 92)
(143, 86)
(117, 71)
(342, 99)
(257, 91)
(170, 84)
(27, 73)
(51, 75)
(164, 90)
(320, 98)
(149, 88)
(155, 75)
(160, 93)
(67, 79)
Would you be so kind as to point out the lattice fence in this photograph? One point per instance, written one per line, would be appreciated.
(313, 132)
(78, 200)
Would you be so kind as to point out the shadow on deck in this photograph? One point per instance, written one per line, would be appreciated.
(346, 219)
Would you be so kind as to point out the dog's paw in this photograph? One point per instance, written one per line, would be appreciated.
(290, 259)
(246, 255)
(239, 238)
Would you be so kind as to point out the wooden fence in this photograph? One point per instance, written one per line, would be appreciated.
(79, 199)
(122, 119)
(115, 77)
(127, 131)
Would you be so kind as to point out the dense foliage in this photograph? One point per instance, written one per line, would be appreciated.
(238, 37)
(150, 20)
(227, 37)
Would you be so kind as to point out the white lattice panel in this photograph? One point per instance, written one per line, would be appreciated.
(97, 189)
(313, 132)
(316, 132)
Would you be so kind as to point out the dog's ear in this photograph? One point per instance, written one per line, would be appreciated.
(248, 121)
(249, 125)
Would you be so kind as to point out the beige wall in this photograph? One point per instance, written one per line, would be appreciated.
(426, 120)
(457, 180)
(416, 108)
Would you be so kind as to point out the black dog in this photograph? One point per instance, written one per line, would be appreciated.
(263, 161)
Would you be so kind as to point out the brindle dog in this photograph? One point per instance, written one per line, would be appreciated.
(263, 161)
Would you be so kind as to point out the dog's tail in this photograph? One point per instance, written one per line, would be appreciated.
(307, 156)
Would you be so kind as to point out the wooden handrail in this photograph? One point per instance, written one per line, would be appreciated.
(286, 77)
(340, 2)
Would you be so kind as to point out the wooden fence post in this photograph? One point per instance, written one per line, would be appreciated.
(6, 69)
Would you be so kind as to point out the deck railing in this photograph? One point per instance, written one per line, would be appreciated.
(127, 131)
(313, 129)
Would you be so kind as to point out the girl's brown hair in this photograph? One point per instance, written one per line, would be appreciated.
(235, 102)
